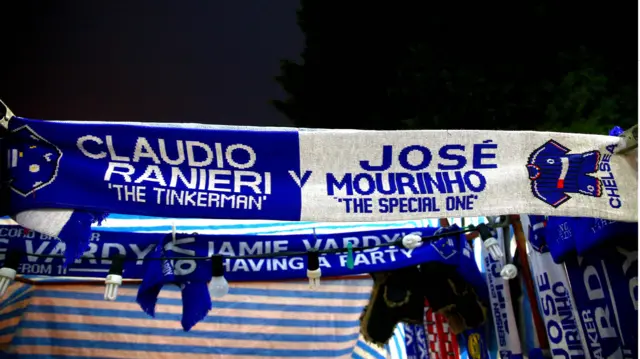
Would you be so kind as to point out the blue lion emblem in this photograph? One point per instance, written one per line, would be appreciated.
(33, 161)
(554, 173)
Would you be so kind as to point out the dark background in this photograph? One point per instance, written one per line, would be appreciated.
(161, 61)
(534, 65)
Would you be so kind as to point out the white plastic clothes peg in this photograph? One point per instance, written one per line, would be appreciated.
(7, 275)
(508, 272)
(411, 241)
(112, 282)
(493, 248)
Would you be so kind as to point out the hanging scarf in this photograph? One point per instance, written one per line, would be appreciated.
(604, 285)
(199, 171)
(416, 344)
(196, 301)
(558, 306)
(139, 246)
(157, 273)
(564, 236)
(504, 320)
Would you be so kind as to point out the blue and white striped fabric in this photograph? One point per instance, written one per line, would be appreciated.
(260, 320)
(366, 350)
(396, 346)
(89, 334)
(123, 223)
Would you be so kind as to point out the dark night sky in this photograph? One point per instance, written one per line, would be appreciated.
(207, 61)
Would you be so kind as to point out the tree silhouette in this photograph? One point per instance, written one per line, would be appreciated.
(548, 65)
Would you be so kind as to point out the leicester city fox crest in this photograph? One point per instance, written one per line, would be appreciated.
(554, 173)
(33, 161)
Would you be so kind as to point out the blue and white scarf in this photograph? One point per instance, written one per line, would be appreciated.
(65, 175)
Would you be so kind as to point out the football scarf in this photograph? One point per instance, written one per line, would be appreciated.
(558, 308)
(504, 320)
(65, 175)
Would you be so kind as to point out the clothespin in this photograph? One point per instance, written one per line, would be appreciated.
(5, 115)
(629, 140)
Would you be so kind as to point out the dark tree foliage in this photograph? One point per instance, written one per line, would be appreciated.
(550, 65)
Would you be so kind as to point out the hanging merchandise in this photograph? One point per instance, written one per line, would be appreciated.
(504, 320)
(473, 345)
(158, 271)
(246, 257)
(416, 343)
(396, 297)
(200, 171)
(528, 283)
(565, 236)
(455, 288)
(557, 304)
(604, 283)
(436, 341)
(444, 344)
(453, 297)
(200, 264)
(453, 281)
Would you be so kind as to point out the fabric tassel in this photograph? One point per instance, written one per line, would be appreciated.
(71, 227)
(157, 274)
(196, 303)
(196, 300)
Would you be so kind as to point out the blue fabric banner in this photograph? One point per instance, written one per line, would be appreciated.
(135, 247)
(556, 302)
(605, 288)
(565, 236)
(472, 345)
(161, 171)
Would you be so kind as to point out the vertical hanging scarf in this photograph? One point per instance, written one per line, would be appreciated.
(558, 307)
(604, 284)
(416, 341)
(160, 270)
(504, 319)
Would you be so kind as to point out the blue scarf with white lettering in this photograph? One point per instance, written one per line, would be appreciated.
(564, 235)
(155, 273)
(557, 305)
(604, 285)
(453, 250)
(196, 301)
(186, 172)
(416, 344)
